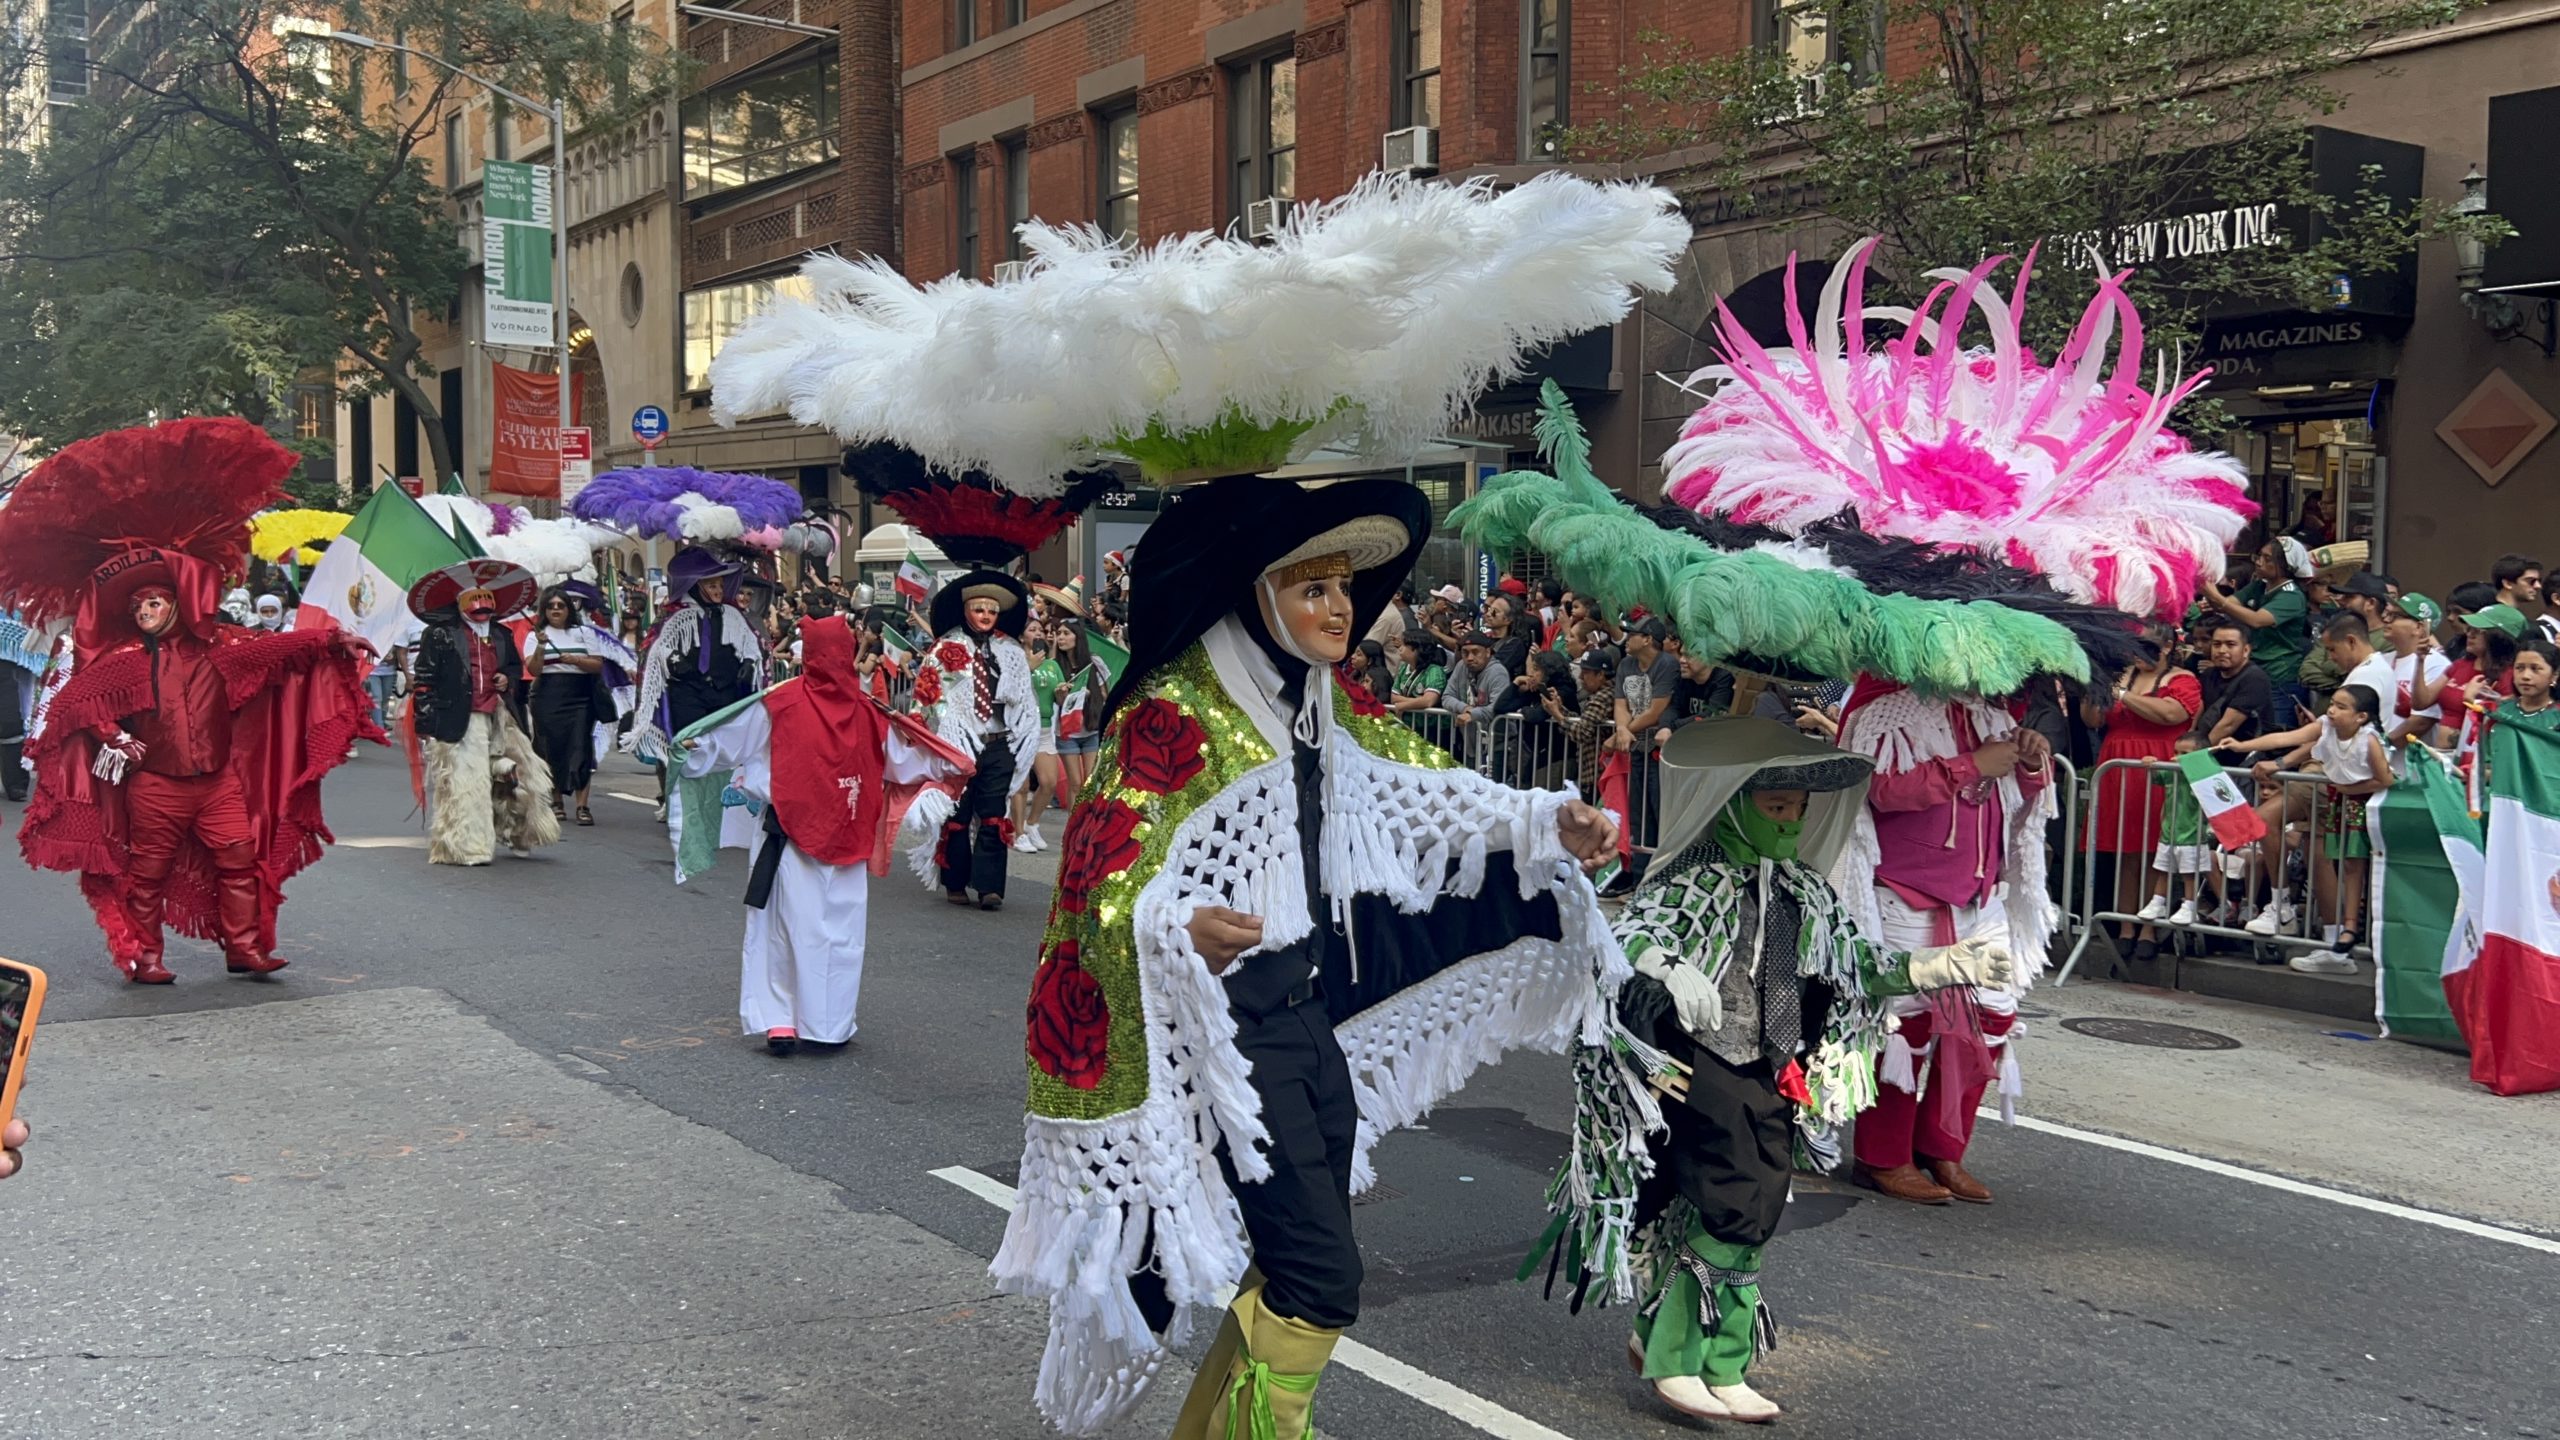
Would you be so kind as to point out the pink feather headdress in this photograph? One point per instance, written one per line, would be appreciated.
(2062, 470)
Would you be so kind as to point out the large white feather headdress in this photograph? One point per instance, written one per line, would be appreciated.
(1383, 312)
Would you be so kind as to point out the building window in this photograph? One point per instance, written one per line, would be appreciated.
(1017, 194)
(1802, 33)
(1118, 208)
(964, 214)
(66, 50)
(453, 149)
(1417, 63)
(760, 129)
(501, 146)
(622, 21)
(311, 415)
(1546, 37)
(712, 316)
(1015, 12)
(964, 23)
(1262, 131)
(400, 61)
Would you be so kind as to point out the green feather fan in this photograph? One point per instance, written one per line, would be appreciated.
(1726, 603)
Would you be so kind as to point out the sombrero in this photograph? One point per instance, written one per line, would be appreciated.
(1068, 597)
(441, 589)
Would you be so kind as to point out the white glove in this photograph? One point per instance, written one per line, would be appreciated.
(1693, 995)
(113, 759)
(1978, 961)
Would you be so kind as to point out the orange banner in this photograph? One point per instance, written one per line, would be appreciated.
(524, 452)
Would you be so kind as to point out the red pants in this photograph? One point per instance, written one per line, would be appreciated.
(161, 813)
(1904, 1128)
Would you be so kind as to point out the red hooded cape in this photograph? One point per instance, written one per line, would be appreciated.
(299, 705)
(830, 744)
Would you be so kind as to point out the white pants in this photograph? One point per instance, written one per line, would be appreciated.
(801, 966)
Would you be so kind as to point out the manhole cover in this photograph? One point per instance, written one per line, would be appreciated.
(2149, 1032)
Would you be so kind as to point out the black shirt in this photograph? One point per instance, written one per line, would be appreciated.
(2250, 692)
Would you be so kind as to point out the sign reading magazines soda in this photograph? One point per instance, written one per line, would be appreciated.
(515, 255)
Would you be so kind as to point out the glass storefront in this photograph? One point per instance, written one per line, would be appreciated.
(2318, 480)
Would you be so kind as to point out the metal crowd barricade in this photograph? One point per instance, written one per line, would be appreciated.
(2064, 866)
(2232, 883)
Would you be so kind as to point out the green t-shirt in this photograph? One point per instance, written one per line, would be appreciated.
(1422, 681)
(1046, 677)
(2279, 648)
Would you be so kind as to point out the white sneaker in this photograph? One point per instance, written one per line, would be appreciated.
(1039, 838)
(1690, 1396)
(2184, 914)
(519, 852)
(2158, 909)
(2323, 962)
(2270, 920)
(1746, 1404)
(1022, 843)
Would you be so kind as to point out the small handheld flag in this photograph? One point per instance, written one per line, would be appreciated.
(2235, 822)
(913, 580)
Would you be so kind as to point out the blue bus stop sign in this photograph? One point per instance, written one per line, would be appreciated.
(649, 426)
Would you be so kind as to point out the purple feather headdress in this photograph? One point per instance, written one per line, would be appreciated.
(2066, 470)
(687, 505)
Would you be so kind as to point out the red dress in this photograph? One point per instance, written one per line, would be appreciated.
(2129, 804)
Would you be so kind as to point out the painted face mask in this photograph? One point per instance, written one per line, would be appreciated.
(1749, 836)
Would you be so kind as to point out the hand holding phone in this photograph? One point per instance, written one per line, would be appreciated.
(21, 995)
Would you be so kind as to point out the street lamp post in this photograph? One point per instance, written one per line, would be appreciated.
(556, 112)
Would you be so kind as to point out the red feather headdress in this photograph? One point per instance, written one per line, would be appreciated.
(968, 517)
(188, 486)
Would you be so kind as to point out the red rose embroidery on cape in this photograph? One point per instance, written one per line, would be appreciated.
(928, 686)
(1160, 748)
(951, 655)
(1069, 1020)
(1101, 841)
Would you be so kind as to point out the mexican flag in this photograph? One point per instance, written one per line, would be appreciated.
(2426, 861)
(362, 581)
(914, 581)
(2507, 995)
(2227, 809)
(1109, 656)
(895, 644)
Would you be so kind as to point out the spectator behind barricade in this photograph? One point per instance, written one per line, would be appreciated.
(1530, 748)
(2239, 699)
(1648, 678)
(1511, 645)
(1393, 621)
(1589, 717)
(2350, 650)
(2537, 670)
(2485, 675)
(2348, 751)
(1705, 690)
(1367, 668)
(2519, 582)
(1476, 683)
(2418, 669)
(2153, 705)
(1422, 673)
(1550, 611)
(2276, 611)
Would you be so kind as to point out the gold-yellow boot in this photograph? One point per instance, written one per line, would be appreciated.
(1270, 1389)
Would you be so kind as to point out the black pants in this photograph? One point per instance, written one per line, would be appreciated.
(1730, 1151)
(1299, 1220)
(979, 834)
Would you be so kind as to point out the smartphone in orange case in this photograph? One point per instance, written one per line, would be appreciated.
(21, 995)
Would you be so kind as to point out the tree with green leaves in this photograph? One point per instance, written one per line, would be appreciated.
(242, 202)
(1960, 129)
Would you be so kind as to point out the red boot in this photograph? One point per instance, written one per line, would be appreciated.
(144, 888)
(241, 899)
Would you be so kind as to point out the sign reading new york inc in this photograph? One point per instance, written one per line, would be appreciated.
(515, 255)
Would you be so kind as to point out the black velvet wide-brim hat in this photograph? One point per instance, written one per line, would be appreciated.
(1201, 558)
(951, 602)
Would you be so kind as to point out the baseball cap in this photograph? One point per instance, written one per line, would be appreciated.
(2365, 583)
(1601, 658)
(1513, 585)
(1652, 628)
(1475, 637)
(2507, 620)
(2421, 609)
(1450, 593)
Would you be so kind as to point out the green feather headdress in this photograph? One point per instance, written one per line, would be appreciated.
(1786, 602)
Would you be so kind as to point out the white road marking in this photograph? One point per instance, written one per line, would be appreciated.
(2475, 1228)
(1431, 1390)
(384, 842)
(634, 799)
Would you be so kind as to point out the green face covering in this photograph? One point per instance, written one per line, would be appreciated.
(1750, 837)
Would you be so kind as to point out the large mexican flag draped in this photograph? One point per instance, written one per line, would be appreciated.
(362, 581)
(2423, 834)
(2507, 997)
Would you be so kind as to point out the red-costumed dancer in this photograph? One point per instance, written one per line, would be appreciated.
(179, 770)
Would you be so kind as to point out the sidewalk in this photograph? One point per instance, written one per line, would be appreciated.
(375, 1214)
(2393, 1121)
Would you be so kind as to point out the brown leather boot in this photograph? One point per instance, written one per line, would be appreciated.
(240, 898)
(1904, 1182)
(1959, 1182)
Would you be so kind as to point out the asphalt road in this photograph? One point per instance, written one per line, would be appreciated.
(2107, 1294)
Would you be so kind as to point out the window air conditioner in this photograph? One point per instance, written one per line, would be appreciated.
(1414, 150)
(1010, 271)
(1263, 218)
